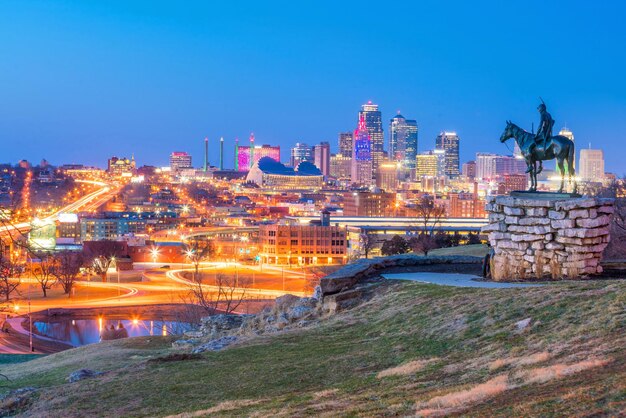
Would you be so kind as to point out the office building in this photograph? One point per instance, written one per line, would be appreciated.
(372, 204)
(449, 143)
(346, 140)
(340, 167)
(469, 170)
(591, 165)
(321, 157)
(292, 243)
(430, 164)
(179, 160)
(513, 182)
(121, 167)
(374, 125)
(387, 176)
(403, 142)
(301, 152)
(494, 166)
(361, 171)
(247, 155)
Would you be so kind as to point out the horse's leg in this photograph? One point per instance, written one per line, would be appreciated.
(533, 177)
(540, 167)
(562, 171)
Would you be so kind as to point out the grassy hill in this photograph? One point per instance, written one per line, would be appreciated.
(412, 349)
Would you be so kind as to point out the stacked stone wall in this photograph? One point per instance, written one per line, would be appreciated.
(541, 238)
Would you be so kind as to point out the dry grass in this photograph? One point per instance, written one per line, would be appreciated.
(520, 361)
(558, 371)
(221, 407)
(405, 369)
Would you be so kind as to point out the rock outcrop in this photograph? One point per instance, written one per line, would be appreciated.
(538, 238)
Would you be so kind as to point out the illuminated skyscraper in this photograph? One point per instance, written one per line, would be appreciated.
(346, 140)
(321, 157)
(374, 126)
(403, 142)
(362, 155)
(449, 143)
(591, 165)
(430, 164)
(301, 152)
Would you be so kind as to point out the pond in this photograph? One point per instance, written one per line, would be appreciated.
(79, 332)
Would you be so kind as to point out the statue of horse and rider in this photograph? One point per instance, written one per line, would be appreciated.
(543, 146)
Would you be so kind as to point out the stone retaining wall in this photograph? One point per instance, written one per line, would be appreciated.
(540, 238)
(351, 274)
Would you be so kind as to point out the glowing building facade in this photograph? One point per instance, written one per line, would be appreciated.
(374, 126)
(403, 142)
(449, 143)
(362, 155)
(247, 156)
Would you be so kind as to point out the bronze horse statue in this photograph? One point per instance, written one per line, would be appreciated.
(558, 146)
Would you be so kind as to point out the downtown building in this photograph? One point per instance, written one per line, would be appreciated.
(449, 143)
(180, 160)
(121, 167)
(346, 144)
(341, 167)
(301, 152)
(591, 165)
(492, 167)
(248, 155)
(403, 142)
(373, 123)
(268, 173)
(374, 204)
(362, 164)
(321, 157)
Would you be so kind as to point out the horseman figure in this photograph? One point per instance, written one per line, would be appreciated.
(543, 133)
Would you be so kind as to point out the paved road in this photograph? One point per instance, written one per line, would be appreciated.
(453, 279)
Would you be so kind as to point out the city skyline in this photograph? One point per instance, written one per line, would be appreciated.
(146, 77)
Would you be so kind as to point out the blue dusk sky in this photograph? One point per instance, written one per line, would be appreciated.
(81, 81)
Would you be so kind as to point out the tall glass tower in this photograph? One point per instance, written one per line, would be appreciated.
(361, 169)
(449, 143)
(374, 125)
(403, 142)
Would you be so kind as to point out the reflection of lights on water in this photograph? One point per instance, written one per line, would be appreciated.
(73, 322)
(164, 329)
(135, 321)
(151, 327)
(100, 323)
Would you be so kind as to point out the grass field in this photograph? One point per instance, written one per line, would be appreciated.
(412, 349)
(477, 250)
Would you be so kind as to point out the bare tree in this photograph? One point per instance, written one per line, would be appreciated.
(429, 213)
(423, 243)
(43, 272)
(225, 295)
(10, 271)
(100, 255)
(198, 249)
(67, 269)
(368, 242)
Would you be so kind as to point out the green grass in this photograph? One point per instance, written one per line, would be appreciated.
(17, 358)
(476, 250)
(332, 367)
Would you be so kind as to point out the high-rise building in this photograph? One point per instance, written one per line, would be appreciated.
(340, 167)
(449, 142)
(403, 142)
(362, 155)
(346, 140)
(430, 164)
(374, 125)
(375, 204)
(247, 156)
(180, 160)
(387, 176)
(301, 152)
(591, 165)
(494, 166)
(321, 157)
(469, 170)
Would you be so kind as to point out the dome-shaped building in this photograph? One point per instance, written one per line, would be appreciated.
(269, 173)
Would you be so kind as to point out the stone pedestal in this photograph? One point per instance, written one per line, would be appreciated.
(547, 236)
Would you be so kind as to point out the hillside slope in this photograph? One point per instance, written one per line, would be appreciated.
(412, 349)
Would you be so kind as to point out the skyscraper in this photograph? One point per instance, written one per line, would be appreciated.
(321, 157)
(591, 165)
(345, 144)
(301, 152)
(362, 155)
(493, 166)
(449, 143)
(374, 125)
(403, 142)
(430, 164)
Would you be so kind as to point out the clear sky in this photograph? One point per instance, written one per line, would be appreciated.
(83, 80)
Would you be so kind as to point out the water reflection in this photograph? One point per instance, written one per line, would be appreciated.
(79, 332)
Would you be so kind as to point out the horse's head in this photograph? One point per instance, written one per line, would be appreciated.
(508, 131)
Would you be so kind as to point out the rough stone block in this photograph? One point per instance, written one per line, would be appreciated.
(554, 246)
(511, 220)
(580, 203)
(563, 223)
(578, 213)
(553, 214)
(526, 237)
(494, 227)
(533, 221)
(594, 223)
(513, 211)
(496, 217)
(537, 211)
(606, 209)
